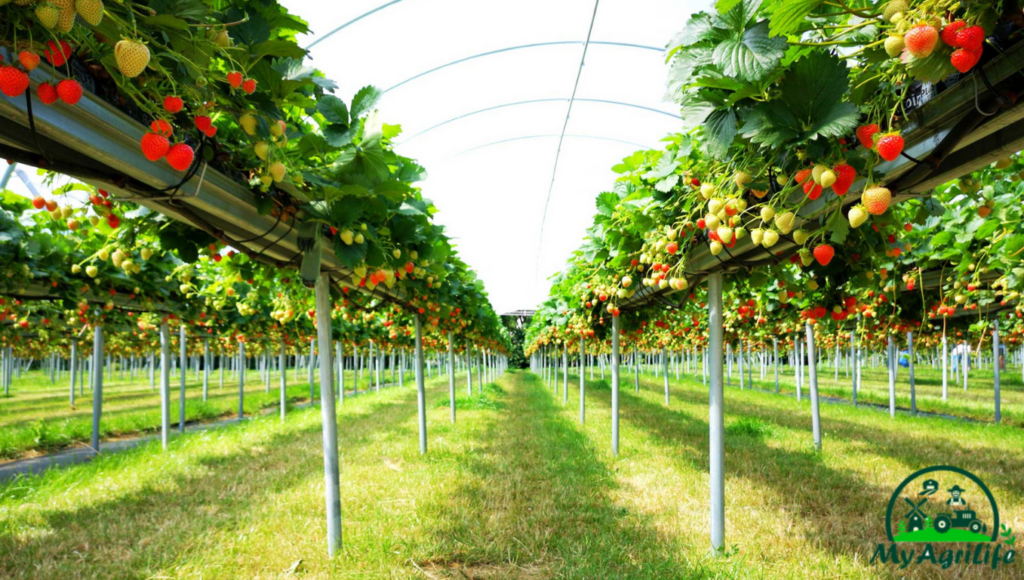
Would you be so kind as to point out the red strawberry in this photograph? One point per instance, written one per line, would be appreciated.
(180, 156)
(203, 123)
(113, 221)
(211, 131)
(57, 56)
(13, 82)
(47, 93)
(28, 59)
(890, 146)
(801, 176)
(949, 33)
(154, 146)
(845, 176)
(823, 254)
(173, 104)
(866, 134)
(69, 91)
(235, 79)
(162, 127)
(920, 40)
(964, 60)
(813, 190)
(971, 38)
(249, 86)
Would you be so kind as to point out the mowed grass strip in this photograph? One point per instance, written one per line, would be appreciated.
(516, 489)
(38, 417)
(791, 511)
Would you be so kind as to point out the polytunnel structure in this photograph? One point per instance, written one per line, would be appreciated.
(586, 289)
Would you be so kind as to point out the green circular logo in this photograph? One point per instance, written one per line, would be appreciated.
(934, 521)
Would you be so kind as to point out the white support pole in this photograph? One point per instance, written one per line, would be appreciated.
(716, 421)
(97, 385)
(469, 371)
(74, 370)
(241, 380)
(664, 369)
(799, 366)
(835, 360)
(910, 356)
(183, 361)
(995, 369)
(165, 384)
(565, 374)
(615, 385)
(340, 355)
(309, 371)
(206, 368)
(583, 387)
(892, 376)
(965, 361)
(854, 362)
(421, 395)
(739, 362)
(284, 382)
(945, 363)
(813, 372)
(775, 360)
(328, 414)
(451, 375)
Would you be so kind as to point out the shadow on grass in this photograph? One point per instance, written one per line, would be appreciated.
(994, 465)
(149, 529)
(833, 509)
(536, 501)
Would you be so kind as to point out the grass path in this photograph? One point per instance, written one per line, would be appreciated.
(516, 489)
(38, 418)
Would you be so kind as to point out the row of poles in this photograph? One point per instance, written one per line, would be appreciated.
(371, 360)
(712, 366)
(546, 362)
(490, 366)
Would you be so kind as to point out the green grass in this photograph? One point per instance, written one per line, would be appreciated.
(932, 535)
(977, 402)
(518, 491)
(38, 416)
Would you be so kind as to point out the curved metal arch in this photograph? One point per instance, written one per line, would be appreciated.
(535, 101)
(548, 136)
(520, 47)
(350, 22)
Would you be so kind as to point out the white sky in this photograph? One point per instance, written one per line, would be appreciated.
(491, 195)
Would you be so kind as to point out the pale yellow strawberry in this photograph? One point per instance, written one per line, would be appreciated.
(66, 20)
(248, 123)
(785, 222)
(90, 10)
(277, 170)
(858, 215)
(48, 14)
(132, 57)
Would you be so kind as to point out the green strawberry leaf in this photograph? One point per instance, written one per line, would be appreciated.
(750, 55)
(719, 132)
(789, 15)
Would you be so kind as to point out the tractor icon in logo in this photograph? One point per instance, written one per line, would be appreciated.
(930, 517)
(958, 518)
